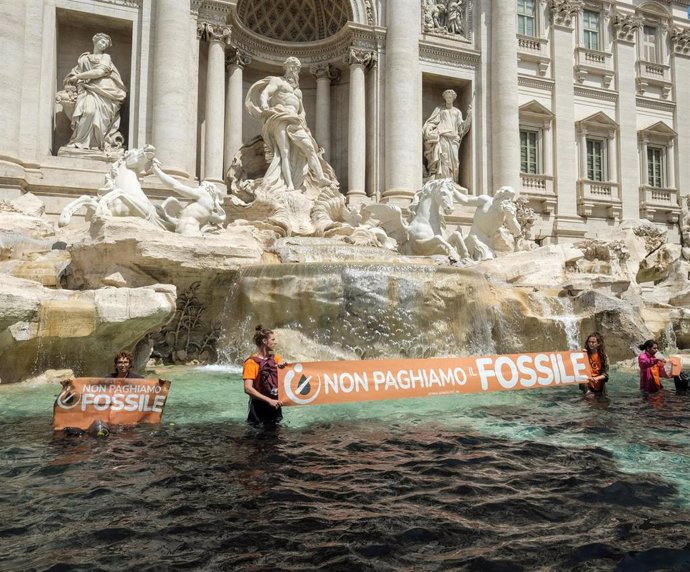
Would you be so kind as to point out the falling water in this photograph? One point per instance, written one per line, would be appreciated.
(560, 309)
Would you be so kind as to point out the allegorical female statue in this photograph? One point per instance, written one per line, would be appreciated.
(92, 98)
(443, 133)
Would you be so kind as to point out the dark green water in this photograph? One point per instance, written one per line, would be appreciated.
(528, 480)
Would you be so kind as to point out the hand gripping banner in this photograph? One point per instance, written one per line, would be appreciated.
(115, 401)
(315, 383)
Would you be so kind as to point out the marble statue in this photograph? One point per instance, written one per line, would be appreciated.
(122, 194)
(297, 159)
(92, 98)
(443, 133)
(425, 234)
(494, 219)
(204, 212)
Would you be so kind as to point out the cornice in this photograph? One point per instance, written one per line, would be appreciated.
(124, 3)
(655, 104)
(594, 93)
(211, 11)
(535, 82)
(434, 53)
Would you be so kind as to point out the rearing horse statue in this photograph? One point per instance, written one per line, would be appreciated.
(425, 234)
(122, 194)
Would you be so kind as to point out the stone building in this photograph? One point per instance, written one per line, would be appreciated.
(581, 105)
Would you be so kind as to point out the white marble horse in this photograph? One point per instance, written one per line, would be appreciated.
(425, 233)
(122, 194)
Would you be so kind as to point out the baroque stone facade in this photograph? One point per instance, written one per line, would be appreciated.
(587, 137)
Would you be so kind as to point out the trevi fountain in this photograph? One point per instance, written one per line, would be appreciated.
(174, 247)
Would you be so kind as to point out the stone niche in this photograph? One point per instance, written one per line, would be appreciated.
(75, 31)
(433, 87)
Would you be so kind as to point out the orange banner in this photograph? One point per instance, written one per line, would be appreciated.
(115, 401)
(315, 383)
(676, 365)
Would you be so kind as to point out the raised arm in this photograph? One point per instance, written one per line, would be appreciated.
(173, 183)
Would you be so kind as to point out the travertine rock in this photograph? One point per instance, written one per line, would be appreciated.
(41, 328)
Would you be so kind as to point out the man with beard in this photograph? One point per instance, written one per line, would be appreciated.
(277, 102)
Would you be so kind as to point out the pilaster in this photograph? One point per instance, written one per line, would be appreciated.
(568, 224)
(625, 27)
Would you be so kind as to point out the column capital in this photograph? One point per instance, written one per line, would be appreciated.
(680, 40)
(213, 32)
(626, 26)
(361, 56)
(564, 12)
(236, 57)
(325, 71)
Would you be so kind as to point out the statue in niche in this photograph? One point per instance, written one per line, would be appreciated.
(442, 134)
(297, 162)
(203, 213)
(92, 98)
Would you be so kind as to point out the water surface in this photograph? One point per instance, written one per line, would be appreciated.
(525, 480)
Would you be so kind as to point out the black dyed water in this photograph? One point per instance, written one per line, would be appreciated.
(528, 480)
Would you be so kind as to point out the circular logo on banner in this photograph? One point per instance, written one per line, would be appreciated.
(67, 399)
(299, 388)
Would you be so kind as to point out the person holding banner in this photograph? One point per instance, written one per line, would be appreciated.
(651, 367)
(123, 367)
(598, 362)
(260, 376)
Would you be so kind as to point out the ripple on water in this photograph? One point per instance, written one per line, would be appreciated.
(538, 480)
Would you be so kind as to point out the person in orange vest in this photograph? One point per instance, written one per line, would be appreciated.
(598, 362)
(260, 376)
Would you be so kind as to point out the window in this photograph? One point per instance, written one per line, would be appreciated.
(529, 152)
(655, 167)
(590, 26)
(649, 44)
(596, 156)
(527, 17)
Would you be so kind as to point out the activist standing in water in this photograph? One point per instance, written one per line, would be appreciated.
(598, 362)
(123, 367)
(260, 376)
(650, 376)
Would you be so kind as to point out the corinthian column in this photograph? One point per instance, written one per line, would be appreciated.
(171, 85)
(505, 118)
(359, 61)
(403, 113)
(324, 74)
(235, 61)
(217, 37)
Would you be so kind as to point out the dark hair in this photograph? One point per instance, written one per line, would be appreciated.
(601, 350)
(261, 335)
(124, 355)
(647, 345)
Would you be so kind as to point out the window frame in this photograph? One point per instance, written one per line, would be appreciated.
(602, 143)
(525, 17)
(538, 159)
(587, 32)
(660, 166)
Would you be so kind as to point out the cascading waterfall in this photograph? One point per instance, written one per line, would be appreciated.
(560, 309)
